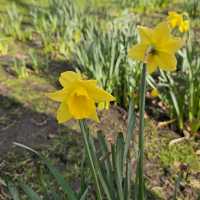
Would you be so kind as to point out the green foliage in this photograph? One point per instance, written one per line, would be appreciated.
(39, 63)
(4, 43)
(67, 192)
(56, 25)
(192, 7)
(142, 6)
(103, 55)
(110, 164)
(88, 33)
(11, 23)
(19, 67)
(180, 153)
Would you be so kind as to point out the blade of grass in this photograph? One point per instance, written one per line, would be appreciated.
(29, 192)
(13, 191)
(119, 164)
(102, 177)
(84, 195)
(59, 178)
(106, 159)
(131, 126)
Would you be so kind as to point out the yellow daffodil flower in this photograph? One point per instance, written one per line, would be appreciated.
(177, 20)
(156, 48)
(77, 36)
(184, 26)
(103, 105)
(174, 19)
(154, 93)
(78, 97)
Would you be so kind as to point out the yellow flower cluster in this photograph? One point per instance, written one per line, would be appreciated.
(157, 48)
(78, 97)
(177, 21)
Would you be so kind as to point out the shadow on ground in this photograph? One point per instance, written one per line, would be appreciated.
(21, 124)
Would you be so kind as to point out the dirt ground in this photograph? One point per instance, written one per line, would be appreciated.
(28, 117)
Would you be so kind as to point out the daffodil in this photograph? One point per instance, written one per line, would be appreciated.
(157, 48)
(103, 105)
(184, 26)
(78, 97)
(154, 93)
(77, 36)
(177, 20)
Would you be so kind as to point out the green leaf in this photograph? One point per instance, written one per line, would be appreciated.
(56, 196)
(29, 192)
(13, 191)
(101, 175)
(127, 182)
(83, 184)
(131, 126)
(84, 195)
(105, 158)
(195, 125)
(59, 178)
(119, 164)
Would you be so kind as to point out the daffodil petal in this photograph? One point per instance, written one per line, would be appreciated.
(154, 93)
(161, 32)
(174, 19)
(151, 64)
(151, 67)
(171, 45)
(59, 95)
(145, 34)
(69, 77)
(173, 23)
(137, 52)
(94, 116)
(63, 113)
(100, 95)
(101, 106)
(184, 26)
(166, 61)
(172, 13)
(96, 93)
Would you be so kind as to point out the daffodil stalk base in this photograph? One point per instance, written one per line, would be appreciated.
(90, 155)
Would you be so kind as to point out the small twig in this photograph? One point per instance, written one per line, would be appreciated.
(186, 137)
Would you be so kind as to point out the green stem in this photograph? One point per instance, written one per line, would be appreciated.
(191, 96)
(85, 133)
(141, 135)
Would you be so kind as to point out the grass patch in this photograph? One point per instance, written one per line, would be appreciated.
(180, 153)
